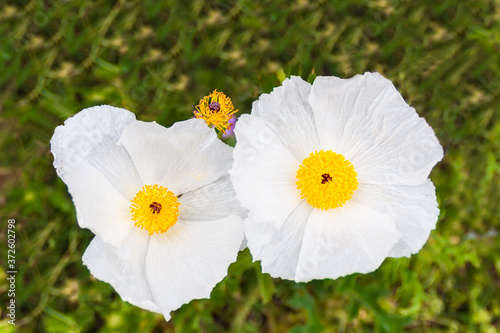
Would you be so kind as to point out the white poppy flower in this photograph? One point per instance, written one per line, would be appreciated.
(334, 176)
(159, 201)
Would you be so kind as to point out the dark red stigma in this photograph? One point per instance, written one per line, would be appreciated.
(155, 207)
(326, 178)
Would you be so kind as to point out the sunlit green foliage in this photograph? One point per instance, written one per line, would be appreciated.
(158, 58)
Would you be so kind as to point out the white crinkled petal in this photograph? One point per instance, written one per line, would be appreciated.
(278, 249)
(263, 172)
(379, 221)
(100, 175)
(90, 137)
(123, 268)
(243, 245)
(415, 211)
(184, 157)
(99, 206)
(366, 119)
(187, 261)
(287, 112)
(211, 202)
(347, 240)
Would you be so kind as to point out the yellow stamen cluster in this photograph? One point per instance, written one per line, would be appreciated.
(216, 109)
(155, 209)
(326, 179)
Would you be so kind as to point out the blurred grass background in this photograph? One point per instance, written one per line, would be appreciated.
(158, 58)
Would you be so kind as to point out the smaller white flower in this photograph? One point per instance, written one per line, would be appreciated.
(334, 176)
(159, 201)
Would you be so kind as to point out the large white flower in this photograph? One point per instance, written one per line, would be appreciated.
(159, 201)
(334, 176)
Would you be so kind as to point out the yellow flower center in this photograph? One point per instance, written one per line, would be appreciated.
(326, 179)
(155, 209)
(216, 109)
